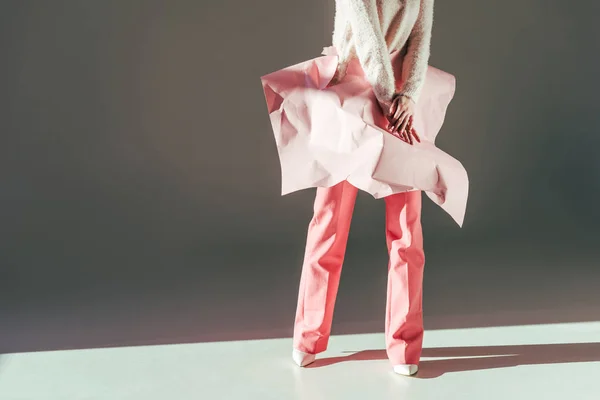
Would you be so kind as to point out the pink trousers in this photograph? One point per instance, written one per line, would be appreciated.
(324, 255)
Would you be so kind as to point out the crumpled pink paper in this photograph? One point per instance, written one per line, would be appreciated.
(325, 135)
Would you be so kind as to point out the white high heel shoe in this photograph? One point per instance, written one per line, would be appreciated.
(301, 358)
(406, 369)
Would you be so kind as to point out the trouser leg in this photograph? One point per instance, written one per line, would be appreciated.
(404, 313)
(323, 258)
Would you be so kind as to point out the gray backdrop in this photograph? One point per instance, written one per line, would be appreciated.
(140, 185)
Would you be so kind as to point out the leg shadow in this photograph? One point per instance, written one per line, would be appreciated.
(461, 359)
(486, 357)
(363, 355)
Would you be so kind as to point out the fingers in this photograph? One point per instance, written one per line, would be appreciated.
(399, 134)
(402, 113)
(400, 121)
(394, 122)
(398, 128)
(393, 107)
(399, 111)
(414, 133)
(390, 114)
(408, 128)
(403, 128)
(406, 135)
(390, 124)
(403, 106)
(390, 128)
(396, 134)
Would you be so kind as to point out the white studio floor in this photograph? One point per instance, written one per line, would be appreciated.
(556, 361)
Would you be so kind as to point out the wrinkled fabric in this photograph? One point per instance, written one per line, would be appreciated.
(327, 134)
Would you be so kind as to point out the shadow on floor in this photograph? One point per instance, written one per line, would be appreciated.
(482, 357)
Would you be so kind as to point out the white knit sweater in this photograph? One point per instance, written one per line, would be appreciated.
(371, 29)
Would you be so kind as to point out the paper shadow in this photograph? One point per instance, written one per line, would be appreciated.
(482, 357)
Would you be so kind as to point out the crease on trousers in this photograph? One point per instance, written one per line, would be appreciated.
(326, 241)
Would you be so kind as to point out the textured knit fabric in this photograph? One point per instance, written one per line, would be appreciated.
(371, 29)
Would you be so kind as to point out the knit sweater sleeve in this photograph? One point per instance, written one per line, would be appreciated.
(371, 48)
(416, 60)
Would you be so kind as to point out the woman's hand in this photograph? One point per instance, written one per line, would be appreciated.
(400, 117)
